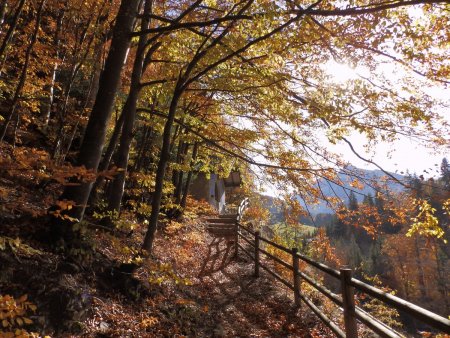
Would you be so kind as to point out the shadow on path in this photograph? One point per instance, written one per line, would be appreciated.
(245, 306)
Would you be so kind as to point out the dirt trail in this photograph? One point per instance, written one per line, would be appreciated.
(242, 305)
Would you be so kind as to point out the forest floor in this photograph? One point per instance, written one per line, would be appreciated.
(191, 286)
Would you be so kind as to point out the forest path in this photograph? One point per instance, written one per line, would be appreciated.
(242, 305)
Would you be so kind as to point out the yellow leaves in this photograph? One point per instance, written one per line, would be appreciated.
(161, 273)
(446, 206)
(425, 223)
(173, 227)
(16, 245)
(210, 3)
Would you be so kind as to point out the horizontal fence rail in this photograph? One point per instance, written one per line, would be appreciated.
(345, 301)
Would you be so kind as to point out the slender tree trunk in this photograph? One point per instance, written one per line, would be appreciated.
(94, 138)
(147, 160)
(176, 173)
(63, 110)
(51, 97)
(129, 112)
(23, 74)
(441, 277)
(11, 29)
(162, 164)
(76, 66)
(3, 9)
(141, 150)
(179, 186)
(420, 272)
(106, 161)
(86, 106)
(189, 177)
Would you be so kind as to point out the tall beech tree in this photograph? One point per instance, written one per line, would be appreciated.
(91, 150)
(129, 113)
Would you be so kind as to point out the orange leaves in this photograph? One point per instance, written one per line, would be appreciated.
(357, 184)
(63, 205)
(149, 322)
(322, 249)
(34, 165)
(12, 316)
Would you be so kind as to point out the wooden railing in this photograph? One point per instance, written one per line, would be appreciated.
(240, 212)
(242, 207)
(345, 301)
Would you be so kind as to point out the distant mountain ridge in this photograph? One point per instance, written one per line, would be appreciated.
(343, 189)
(369, 180)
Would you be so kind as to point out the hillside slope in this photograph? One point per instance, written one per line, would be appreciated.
(191, 286)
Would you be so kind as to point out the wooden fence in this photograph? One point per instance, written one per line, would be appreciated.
(345, 301)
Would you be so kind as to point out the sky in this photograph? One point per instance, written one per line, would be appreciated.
(401, 156)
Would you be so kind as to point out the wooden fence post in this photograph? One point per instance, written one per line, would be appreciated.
(348, 300)
(296, 276)
(257, 235)
(236, 240)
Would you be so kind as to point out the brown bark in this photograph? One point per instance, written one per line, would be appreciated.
(56, 39)
(189, 177)
(107, 157)
(141, 150)
(94, 139)
(162, 164)
(11, 28)
(179, 185)
(3, 9)
(420, 272)
(176, 173)
(23, 75)
(129, 112)
(75, 67)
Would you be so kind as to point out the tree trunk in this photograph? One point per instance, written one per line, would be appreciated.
(86, 106)
(162, 164)
(179, 186)
(94, 138)
(441, 276)
(106, 161)
(140, 152)
(129, 112)
(147, 154)
(23, 74)
(420, 272)
(189, 177)
(11, 29)
(3, 9)
(77, 63)
(176, 173)
(51, 98)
